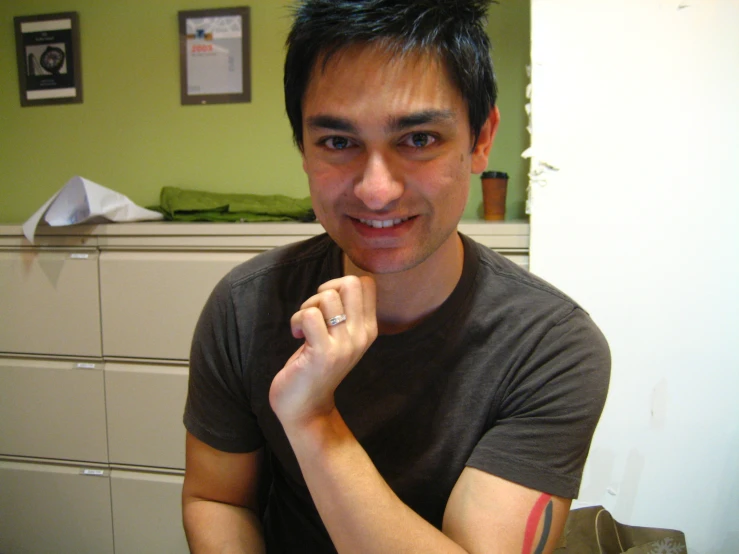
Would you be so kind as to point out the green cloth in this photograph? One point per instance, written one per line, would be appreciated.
(194, 205)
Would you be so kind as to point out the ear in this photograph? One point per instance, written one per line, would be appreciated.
(485, 142)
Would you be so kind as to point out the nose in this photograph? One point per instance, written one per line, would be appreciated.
(377, 186)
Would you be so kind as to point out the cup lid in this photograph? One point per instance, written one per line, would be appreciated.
(494, 175)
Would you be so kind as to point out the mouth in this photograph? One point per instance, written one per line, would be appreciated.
(383, 223)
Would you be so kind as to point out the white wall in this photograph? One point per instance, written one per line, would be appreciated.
(636, 102)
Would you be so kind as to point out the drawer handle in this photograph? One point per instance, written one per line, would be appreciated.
(86, 365)
(93, 472)
(79, 256)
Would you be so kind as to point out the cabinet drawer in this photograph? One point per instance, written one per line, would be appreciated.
(50, 302)
(51, 508)
(147, 513)
(145, 405)
(152, 300)
(52, 410)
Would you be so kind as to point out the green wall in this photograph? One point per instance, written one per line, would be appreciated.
(132, 135)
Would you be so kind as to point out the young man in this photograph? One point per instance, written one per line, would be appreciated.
(407, 389)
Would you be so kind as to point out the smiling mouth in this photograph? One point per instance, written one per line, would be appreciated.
(383, 223)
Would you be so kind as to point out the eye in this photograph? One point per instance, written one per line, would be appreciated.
(336, 143)
(418, 140)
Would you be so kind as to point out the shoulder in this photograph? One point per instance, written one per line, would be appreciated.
(497, 270)
(258, 297)
(504, 287)
(269, 286)
(283, 270)
(532, 319)
(551, 366)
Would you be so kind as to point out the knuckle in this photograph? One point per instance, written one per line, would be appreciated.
(352, 281)
(312, 313)
(312, 301)
(330, 295)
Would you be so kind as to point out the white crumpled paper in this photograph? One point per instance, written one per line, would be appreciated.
(82, 201)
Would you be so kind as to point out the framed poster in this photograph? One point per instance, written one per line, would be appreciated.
(214, 56)
(48, 51)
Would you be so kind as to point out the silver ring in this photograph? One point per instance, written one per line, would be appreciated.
(341, 318)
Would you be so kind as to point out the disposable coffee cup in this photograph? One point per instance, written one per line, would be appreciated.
(494, 189)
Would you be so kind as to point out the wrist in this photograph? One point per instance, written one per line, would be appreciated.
(318, 432)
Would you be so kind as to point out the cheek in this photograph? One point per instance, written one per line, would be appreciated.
(330, 180)
(322, 172)
(326, 188)
(319, 176)
(451, 184)
(457, 196)
(451, 199)
(463, 171)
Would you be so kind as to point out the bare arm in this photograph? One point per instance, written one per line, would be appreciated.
(362, 514)
(488, 514)
(219, 500)
(484, 514)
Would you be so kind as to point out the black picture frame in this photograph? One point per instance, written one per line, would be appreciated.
(49, 59)
(215, 64)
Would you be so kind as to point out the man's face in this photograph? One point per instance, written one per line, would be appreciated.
(388, 154)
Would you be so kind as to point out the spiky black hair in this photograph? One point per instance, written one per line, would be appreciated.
(453, 30)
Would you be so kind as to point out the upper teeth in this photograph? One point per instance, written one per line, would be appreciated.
(383, 223)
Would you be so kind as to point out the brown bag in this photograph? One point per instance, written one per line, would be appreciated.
(594, 531)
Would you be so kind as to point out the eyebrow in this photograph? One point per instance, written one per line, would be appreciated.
(395, 124)
(332, 123)
(426, 117)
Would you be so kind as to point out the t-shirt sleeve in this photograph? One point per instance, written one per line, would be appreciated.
(218, 409)
(549, 410)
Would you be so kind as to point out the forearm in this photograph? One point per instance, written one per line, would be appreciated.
(223, 528)
(360, 511)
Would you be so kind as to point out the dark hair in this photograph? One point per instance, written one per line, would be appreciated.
(453, 30)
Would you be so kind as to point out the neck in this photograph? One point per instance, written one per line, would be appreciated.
(406, 298)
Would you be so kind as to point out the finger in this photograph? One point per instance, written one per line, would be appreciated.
(349, 289)
(334, 283)
(369, 303)
(309, 324)
(330, 303)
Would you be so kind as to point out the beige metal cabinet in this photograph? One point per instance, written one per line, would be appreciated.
(115, 306)
(147, 517)
(509, 239)
(145, 405)
(54, 508)
(50, 302)
(52, 409)
(152, 300)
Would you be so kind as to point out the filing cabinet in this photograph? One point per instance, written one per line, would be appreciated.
(47, 507)
(52, 409)
(94, 339)
(144, 406)
(146, 512)
(45, 292)
(152, 299)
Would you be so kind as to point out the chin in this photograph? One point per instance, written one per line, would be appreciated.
(379, 262)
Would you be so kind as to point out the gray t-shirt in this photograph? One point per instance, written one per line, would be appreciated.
(508, 376)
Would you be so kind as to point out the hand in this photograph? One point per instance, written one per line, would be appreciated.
(304, 388)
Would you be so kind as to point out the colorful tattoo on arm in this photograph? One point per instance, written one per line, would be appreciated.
(543, 507)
